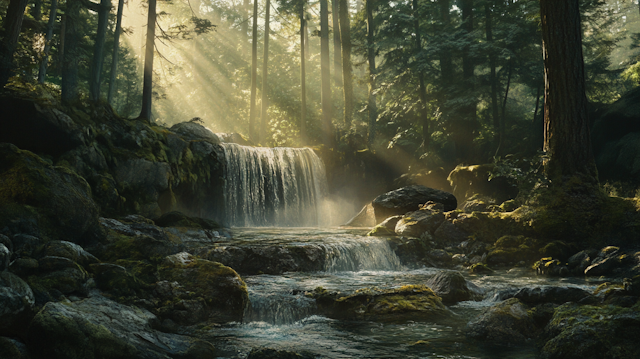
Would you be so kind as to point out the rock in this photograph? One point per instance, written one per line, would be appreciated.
(100, 328)
(551, 267)
(440, 256)
(468, 181)
(590, 332)
(55, 199)
(118, 281)
(547, 294)
(69, 280)
(365, 218)
(179, 219)
(234, 137)
(5, 257)
(407, 302)
(71, 251)
(220, 288)
(407, 199)
(16, 301)
(508, 322)
(580, 261)
(451, 287)
(144, 180)
(195, 132)
(475, 205)
(480, 268)
(267, 353)
(26, 245)
(11, 348)
(24, 266)
(606, 262)
(509, 250)
(39, 128)
(414, 224)
(448, 232)
(7, 242)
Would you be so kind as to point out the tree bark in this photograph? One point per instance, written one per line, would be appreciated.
(245, 17)
(422, 91)
(347, 77)
(463, 134)
(147, 83)
(493, 79)
(446, 62)
(42, 73)
(303, 79)
(114, 55)
(98, 51)
(70, 62)
(327, 126)
(503, 117)
(566, 132)
(337, 43)
(265, 72)
(254, 72)
(371, 57)
(11, 32)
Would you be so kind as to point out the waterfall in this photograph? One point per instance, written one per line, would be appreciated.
(367, 253)
(273, 186)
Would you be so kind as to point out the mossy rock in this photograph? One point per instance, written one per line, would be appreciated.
(507, 322)
(416, 302)
(179, 219)
(221, 288)
(381, 231)
(480, 268)
(586, 331)
(11, 348)
(55, 199)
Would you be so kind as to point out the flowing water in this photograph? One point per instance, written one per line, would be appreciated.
(273, 186)
(281, 317)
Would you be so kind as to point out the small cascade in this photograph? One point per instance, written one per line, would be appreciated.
(365, 253)
(273, 186)
(278, 308)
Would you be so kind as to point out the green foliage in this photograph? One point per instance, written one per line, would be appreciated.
(528, 172)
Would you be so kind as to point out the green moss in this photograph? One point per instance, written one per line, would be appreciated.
(480, 268)
(381, 231)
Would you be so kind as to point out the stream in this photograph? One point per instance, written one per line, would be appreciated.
(282, 317)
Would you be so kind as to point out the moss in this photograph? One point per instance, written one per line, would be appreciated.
(381, 231)
(480, 268)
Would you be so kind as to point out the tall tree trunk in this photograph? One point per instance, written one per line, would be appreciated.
(147, 83)
(493, 79)
(446, 62)
(347, 77)
(566, 129)
(337, 53)
(42, 73)
(11, 32)
(36, 11)
(371, 56)
(467, 116)
(245, 18)
(71, 56)
(114, 55)
(63, 30)
(303, 79)
(503, 117)
(264, 119)
(98, 51)
(254, 73)
(327, 126)
(422, 91)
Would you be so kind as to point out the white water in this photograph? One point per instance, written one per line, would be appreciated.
(280, 186)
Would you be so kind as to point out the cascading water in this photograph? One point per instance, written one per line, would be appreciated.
(273, 186)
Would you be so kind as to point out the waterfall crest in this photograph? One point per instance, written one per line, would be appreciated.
(279, 186)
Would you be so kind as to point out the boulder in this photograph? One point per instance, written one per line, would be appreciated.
(234, 137)
(408, 199)
(508, 322)
(590, 332)
(70, 251)
(398, 304)
(547, 294)
(468, 181)
(16, 301)
(218, 288)
(364, 218)
(448, 232)
(5, 257)
(268, 353)
(414, 224)
(37, 127)
(11, 348)
(195, 132)
(100, 328)
(452, 287)
(179, 219)
(142, 181)
(55, 199)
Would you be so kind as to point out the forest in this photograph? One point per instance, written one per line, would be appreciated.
(193, 179)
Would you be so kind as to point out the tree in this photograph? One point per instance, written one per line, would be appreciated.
(147, 82)
(264, 118)
(12, 26)
(347, 80)
(337, 53)
(71, 52)
(371, 57)
(254, 72)
(426, 134)
(303, 75)
(98, 51)
(42, 73)
(114, 55)
(566, 130)
(327, 126)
